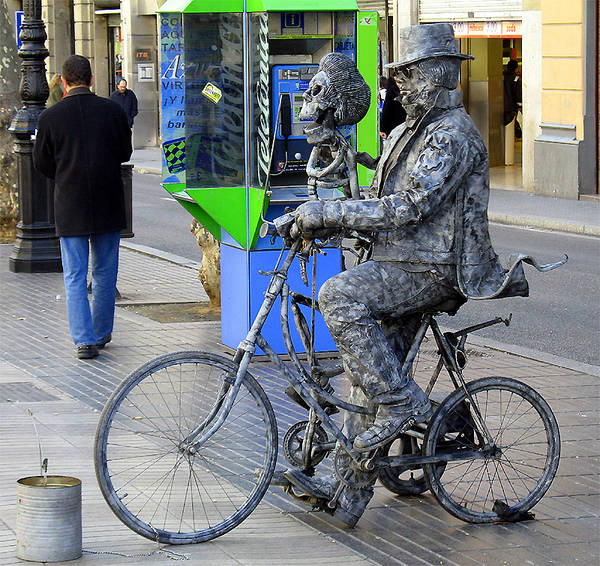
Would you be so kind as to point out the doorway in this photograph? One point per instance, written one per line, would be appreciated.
(115, 56)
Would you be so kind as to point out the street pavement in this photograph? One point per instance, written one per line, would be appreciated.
(39, 373)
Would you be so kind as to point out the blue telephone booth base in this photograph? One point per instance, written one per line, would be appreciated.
(242, 294)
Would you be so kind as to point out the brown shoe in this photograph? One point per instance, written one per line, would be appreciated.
(104, 342)
(87, 351)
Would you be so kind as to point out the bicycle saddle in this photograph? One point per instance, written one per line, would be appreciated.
(449, 306)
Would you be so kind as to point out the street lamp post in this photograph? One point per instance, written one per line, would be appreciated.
(36, 248)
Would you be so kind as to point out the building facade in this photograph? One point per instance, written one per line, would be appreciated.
(555, 43)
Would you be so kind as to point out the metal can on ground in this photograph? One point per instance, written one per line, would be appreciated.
(48, 518)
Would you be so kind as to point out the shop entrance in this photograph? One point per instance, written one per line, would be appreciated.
(509, 174)
(486, 99)
(115, 56)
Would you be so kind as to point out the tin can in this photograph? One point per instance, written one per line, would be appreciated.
(48, 518)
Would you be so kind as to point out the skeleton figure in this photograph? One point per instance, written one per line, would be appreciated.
(336, 96)
(428, 213)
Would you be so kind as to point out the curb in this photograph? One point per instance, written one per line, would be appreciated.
(545, 224)
(162, 255)
(534, 355)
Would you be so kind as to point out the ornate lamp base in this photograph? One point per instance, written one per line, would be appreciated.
(36, 250)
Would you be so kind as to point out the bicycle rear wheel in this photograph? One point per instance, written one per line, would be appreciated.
(510, 480)
(163, 492)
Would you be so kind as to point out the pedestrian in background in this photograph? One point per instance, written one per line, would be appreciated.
(393, 113)
(81, 142)
(512, 95)
(56, 91)
(127, 100)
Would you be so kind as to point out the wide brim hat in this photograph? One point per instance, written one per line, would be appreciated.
(424, 41)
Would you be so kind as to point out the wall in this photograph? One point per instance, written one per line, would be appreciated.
(563, 151)
(562, 63)
(531, 27)
(83, 15)
(406, 13)
(57, 15)
(140, 32)
(101, 67)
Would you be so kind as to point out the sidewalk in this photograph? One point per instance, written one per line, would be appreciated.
(38, 371)
(511, 207)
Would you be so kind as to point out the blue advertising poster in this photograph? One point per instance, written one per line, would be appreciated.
(172, 90)
(18, 24)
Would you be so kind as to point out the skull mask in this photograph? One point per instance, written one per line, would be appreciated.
(337, 95)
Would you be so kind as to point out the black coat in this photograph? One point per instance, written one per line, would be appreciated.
(512, 96)
(392, 113)
(128, 102)
(81, 142)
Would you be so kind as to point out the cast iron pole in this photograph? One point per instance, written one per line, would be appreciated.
(36, 248)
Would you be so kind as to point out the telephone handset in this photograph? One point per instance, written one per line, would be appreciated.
(285, 118)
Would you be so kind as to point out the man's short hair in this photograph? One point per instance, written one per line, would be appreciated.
(512, 65)
(77, 71)
(441, 71)
(122, 81)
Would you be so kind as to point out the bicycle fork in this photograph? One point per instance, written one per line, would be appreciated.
(228, 394)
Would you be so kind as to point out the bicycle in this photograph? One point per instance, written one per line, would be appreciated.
(187, 444)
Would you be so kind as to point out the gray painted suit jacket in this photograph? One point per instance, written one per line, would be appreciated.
(429, 206)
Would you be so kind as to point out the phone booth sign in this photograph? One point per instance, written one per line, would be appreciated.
(234, 152)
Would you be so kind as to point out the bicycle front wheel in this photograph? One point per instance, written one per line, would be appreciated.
(155, 486)
(507, 480)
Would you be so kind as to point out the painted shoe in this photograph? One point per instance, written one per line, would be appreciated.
(321, 487)
(351, 503)
(393, 420)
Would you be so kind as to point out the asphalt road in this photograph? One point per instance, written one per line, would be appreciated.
(159, 221)
(560, 317)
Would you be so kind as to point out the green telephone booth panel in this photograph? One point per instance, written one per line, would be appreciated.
(223, 158)
(234, 151)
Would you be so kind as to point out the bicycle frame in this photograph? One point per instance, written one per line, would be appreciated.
(310, 391)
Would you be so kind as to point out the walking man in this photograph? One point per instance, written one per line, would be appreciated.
(81, 142)
(127, 100)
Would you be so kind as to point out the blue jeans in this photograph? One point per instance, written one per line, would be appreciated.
(90, 325)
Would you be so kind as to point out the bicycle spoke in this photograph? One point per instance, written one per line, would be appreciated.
(144, 451)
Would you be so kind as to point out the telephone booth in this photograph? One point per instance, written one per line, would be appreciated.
(234, 153)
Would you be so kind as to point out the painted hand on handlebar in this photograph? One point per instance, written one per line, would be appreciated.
(306, 222)
(309, 220)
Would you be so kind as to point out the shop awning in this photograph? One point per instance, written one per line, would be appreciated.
(208, 6)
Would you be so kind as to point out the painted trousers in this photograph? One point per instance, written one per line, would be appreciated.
(373, 311)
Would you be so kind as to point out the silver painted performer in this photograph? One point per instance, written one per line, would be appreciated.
(427, 214)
